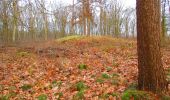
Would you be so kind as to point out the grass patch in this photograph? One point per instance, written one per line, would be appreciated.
(1, 87)
(4, 97)
(22, 54)
(136, 95)
(100, 81)
(26, 87)
(67, 38)
(80, 86)
(108, 68)
(106, 76)
(115, 75)
(8, 96)
(58, 95)
(11, 88)
(115, 64)
(132, 86)
(115, 82)
(42, 97)
(107, 95)
(79, 95)
(168, 74)
(165, 97)
(82, 66)
(56, 83)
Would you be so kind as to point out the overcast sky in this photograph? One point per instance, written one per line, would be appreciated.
(129, 3)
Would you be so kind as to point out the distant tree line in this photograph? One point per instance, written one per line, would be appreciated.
(35, 20)
(41, 20)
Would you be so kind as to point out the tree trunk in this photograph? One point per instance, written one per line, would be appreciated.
(15, 20)
(151, 73)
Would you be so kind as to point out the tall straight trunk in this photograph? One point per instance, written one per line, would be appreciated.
(15, 20)
(88, 26)
(151, 72)
(101, 20)
(163, 22)
(5, 22)
(72, 20)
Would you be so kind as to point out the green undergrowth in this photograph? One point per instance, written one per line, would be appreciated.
(135, 95)
(131, 93)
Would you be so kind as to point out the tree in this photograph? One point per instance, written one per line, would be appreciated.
(15, 19)
(151, 73)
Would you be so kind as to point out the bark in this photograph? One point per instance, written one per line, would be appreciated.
(151, 73)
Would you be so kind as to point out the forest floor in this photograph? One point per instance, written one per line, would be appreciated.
(73, 68)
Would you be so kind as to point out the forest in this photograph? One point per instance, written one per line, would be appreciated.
(84, 50)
